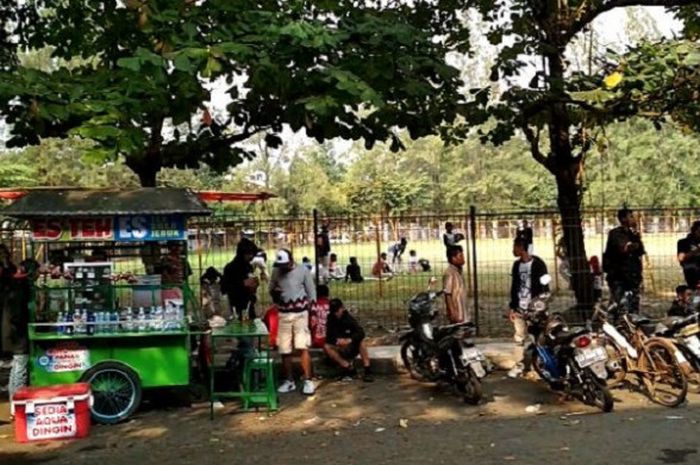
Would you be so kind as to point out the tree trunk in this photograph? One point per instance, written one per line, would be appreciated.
(567, 169)
(147, 177)
(568, 200)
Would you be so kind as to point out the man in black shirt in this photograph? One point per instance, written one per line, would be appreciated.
(525, 233)
(681, 306)
(323, 251)
(345, 340)
(239, 282)
(689, 256)
(622, 259)
(353, 272)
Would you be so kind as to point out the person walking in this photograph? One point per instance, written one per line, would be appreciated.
(455, 287)
(688, 253)
(525, 232)
(622, 259)
(526, 285)
(323, 251)
(292, 290)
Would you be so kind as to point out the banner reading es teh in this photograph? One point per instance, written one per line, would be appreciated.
(125, 228)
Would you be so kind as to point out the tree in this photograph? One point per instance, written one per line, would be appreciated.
(555, 125)
(343, 68)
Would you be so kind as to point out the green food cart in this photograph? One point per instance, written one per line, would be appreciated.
(116, 310)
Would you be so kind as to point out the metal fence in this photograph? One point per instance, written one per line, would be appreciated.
(380, 303)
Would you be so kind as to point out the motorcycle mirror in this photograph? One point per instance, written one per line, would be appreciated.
(545, 279)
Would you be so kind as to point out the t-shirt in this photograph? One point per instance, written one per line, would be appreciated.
(292, 290)
(620, 263)
(353, 273)
(688, 245)
(345, 327)
(455, 291)
(449, 239)
(524, 292)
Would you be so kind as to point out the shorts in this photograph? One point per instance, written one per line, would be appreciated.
(293, 332)
(350, 351)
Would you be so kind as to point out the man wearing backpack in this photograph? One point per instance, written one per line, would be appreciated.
(622, 260)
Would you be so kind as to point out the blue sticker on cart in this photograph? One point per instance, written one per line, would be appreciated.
(149, 228)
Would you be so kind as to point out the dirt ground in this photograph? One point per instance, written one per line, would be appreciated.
(392, 421)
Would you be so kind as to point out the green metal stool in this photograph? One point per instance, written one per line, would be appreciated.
(264, 365)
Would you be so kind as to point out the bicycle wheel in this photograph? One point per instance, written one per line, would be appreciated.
(662, 373)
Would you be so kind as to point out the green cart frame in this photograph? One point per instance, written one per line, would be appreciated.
(120, 362)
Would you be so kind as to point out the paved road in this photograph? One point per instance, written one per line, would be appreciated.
(358, 423)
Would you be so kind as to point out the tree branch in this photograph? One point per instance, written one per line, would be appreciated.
(588, 15)
(534, 140)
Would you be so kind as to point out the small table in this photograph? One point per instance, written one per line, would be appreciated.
(235, 329)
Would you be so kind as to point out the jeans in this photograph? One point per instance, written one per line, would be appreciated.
(617, 293)
(18, 374)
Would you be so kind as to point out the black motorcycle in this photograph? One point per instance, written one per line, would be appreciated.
(442, 353)
(568, 359)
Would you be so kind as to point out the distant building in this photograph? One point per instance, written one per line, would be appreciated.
(258, 178)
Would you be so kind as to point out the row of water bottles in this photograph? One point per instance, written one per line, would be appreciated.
(128, 320)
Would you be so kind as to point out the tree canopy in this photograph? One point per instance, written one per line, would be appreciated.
(143, 87)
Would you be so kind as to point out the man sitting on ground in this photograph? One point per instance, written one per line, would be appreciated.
(381, 269)
(345, 340)
(682, 305)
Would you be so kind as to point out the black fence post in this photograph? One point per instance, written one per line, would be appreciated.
(315, 247)
(475, 277)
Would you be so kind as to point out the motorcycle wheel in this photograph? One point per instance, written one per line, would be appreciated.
(615, 354)
(471, 389)
(409, 353)
(663, 377)
(597, 394)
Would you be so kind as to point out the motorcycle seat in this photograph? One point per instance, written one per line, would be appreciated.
(446, 330)
(638, 320)
(565, 335)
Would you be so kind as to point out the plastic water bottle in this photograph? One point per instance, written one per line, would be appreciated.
(76, 322)
(141, 321)
(68, 328)
(83, 321)
(180, 317)
(91, 323)
(158, 319)
(60, 327)
(128, 325)
(113, 322)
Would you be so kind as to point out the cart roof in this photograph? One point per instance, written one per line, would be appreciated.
(107, 202)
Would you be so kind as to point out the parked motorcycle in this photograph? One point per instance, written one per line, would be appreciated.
(442, 353)
(568, 359)
(632, 348)
(684, 332)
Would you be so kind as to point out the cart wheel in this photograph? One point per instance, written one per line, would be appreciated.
(116, 390)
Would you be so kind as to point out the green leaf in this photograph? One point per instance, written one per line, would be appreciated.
(132, 63)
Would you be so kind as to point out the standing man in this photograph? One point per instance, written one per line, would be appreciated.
(323, 251)
(525, 286)
(622, 259)
(239, 282)
(292, 290)
(397, 250)
(689, 256)
(525, 232)
(449, 238)
(455, 288)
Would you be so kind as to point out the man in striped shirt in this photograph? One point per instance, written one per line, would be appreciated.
(292, 290)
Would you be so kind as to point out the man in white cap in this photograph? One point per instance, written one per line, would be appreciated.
(292, 290)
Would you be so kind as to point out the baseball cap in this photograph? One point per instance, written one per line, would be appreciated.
(283, 258)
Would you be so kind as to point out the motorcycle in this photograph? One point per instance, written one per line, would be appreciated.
(568, 359)
(684, 332)
(442, 353)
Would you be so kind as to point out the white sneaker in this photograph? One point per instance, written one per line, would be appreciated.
(287, 386)
(217, 405)
(515, 372)
(309, 388)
